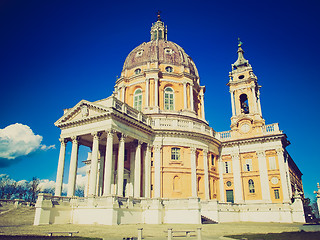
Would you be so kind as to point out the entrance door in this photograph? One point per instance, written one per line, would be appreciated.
(229, 194)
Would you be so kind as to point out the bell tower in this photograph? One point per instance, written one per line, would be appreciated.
(245, 97)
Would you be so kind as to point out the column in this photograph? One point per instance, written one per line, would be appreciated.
(101, 176)
(185, 101)
(238, 197)
(194, 189)
(156, 92)
(232, 103)
(283, 176)
(202, 103)
(263, 169)
(221, 184)
(254, 99)
(132, 162)
(259, 104)
(191, 97)
(108, 173)
(206, 174)
(123, 93)
(94, 164)
(157, 168)
(121, 163)
(318, 198)
(147, 172)
(60, 170)
(147, 92)
(73, 167)
(137, 171)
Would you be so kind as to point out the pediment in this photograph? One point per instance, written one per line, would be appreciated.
(83, 111)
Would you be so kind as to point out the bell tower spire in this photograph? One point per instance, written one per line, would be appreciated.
(245, 95)
(158, 30)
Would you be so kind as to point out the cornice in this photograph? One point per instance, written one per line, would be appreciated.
(187, 134)
(261, 139)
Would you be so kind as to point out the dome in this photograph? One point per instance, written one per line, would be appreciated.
(161, 51)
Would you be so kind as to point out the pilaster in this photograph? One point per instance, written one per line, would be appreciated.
(283, 175)
(238, 196)
(206, 174)
(157, 169)
(194, 189)
(265, 190)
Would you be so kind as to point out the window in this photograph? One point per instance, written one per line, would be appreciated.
(248, 165)
(169, 69)
(276, 194)
(244, 104)
(137, 71)
(212, 159)
(137, 99)
(272, 163)
(251, 186)
(229, 184)
(227, 167)
(168, 99)
(175, 154)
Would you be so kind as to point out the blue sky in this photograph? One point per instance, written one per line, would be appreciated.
(55, 53)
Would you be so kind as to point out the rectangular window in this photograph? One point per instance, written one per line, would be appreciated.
(248, 165)
(272, 163)
(212, 159)
(227, 167)
(175, 153)
(276, 194)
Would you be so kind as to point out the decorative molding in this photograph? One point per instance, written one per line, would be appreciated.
(75, 139)
(63, 141)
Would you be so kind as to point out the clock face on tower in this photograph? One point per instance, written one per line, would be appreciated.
(245, 128)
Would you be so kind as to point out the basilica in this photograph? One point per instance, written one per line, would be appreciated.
(154, 158)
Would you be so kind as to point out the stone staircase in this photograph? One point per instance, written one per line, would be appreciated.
(206, 220)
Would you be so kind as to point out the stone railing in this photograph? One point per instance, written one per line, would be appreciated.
(266, 130)
(181, 124)
(126, 109)
(271, 128)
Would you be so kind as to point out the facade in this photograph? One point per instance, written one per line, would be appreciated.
(155, 159)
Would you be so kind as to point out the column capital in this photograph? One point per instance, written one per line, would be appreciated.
(96, 135)
(193, 150)
(157, 148)
(205, 151)
(63, 140)
(261, 153)
(279, 151)
(122, 137)
(235, 156)
(75, 139)
(110, 133)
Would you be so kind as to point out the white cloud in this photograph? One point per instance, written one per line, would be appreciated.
(46, 184)
(18, 140)
(82, 170)
(45, 148)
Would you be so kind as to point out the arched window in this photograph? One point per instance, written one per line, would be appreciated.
(244, 104)
(251, 186)
(175, 154)
(137, 71)
(168, 98)
(137, 99)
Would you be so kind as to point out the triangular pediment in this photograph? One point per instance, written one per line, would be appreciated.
(84, 110)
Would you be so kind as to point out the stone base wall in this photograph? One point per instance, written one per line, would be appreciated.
(113, 210)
